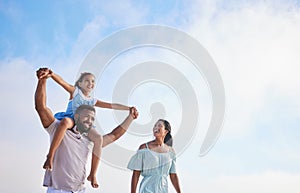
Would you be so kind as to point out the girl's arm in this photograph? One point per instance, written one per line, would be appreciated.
(135, 180)
(175, 182)
(59, 80)
(115, 106)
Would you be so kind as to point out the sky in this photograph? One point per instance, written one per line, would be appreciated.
(254, 44)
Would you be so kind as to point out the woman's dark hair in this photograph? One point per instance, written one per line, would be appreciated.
(168, 138)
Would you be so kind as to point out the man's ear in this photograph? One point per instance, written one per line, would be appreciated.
(76, 116)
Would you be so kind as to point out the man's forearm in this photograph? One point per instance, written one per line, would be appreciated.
(44, 112)
(40, 94)
(125, 125)
(118, 131)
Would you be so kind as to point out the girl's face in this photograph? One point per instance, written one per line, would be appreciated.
(159, 129)
(87, 84)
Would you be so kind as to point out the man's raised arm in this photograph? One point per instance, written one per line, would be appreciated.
(44, 112)
(121, 129)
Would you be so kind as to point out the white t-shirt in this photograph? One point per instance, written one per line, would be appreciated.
(69, 162)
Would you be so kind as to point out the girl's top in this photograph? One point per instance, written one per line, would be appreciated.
(155, 168)
(78, 99)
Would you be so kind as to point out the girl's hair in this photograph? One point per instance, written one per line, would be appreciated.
(82, 75)
(168, 138)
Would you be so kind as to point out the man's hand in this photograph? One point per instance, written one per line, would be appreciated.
(134, 113)
(44, 73)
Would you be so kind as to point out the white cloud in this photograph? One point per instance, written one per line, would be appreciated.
(89, 36)
(119, 14)
(21, 165)
(16, 91)
(255, 46)
(266, 182)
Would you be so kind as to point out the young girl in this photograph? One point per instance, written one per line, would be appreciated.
(79, 94)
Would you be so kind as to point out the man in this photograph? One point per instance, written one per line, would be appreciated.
(69, 172)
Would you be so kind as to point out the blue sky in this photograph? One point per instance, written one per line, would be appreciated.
(255, 45)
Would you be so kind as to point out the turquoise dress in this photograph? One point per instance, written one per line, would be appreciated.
(155, 168)
(78, 99)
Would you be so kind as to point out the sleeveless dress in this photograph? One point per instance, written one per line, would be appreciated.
(155, 168)
(78, 99)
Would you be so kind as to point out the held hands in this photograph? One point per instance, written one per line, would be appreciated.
(44, 73)
(133, 112)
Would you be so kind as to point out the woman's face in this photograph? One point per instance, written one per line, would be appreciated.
(159, 129)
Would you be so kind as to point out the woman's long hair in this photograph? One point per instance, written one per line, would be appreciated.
(168, 138)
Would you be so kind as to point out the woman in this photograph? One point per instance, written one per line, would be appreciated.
(155, 160)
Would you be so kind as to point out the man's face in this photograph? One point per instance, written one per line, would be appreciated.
(85, 120)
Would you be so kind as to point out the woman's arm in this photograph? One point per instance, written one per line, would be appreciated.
(115, 106)
(59, 80)
(175, 182)
(135, 180)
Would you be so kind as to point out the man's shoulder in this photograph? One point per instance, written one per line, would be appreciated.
(51, 128)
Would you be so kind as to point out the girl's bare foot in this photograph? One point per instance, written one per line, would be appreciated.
(93, 181)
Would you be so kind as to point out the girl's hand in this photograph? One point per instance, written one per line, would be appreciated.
(44, 73)
(133, 112)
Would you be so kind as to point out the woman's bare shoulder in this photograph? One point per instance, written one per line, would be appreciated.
(143, 146)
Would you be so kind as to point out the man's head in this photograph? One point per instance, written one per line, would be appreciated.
(84, 118)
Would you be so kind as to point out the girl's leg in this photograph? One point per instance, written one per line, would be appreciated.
(64, 125)
(95, 137)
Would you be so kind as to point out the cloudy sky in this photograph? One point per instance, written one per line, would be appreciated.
(254, 44)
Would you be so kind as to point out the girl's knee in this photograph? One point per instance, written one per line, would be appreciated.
(67, 122)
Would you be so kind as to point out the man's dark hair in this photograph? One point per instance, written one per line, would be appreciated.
(82, 107)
